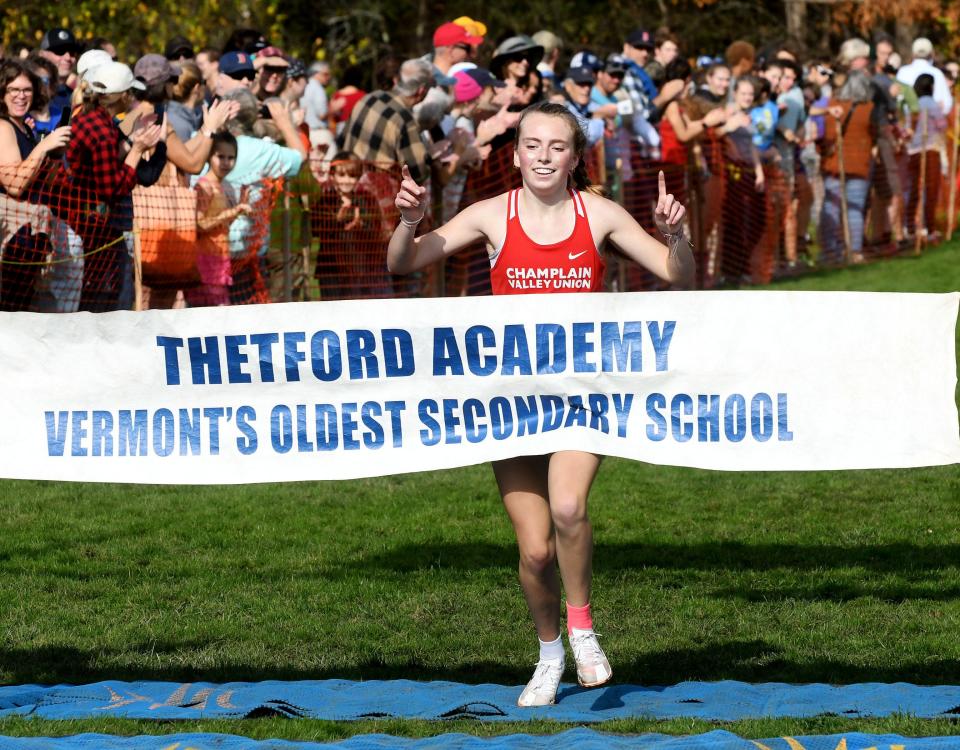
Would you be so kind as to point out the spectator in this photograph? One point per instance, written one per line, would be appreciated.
(314, 100)
(102, 43)
(849, 119)
(100, 176)
(178, 50)
(925, 144)
(45, 120)
(452, 44)
(744, 210)
(272, 66)
(637, 83)
(666, 48)
(577, 86)
(347, 96)
(60, 47)
(616, 136)
(922, 55)
(552, 47)
(184, 114)
(218, 204)
(787, 138)
(23, 159)
(257, 160)
(382, 128)
(883, 48)
(236, 71)
(351, 261)
(514, 58)
(208, 60)
(293, 92)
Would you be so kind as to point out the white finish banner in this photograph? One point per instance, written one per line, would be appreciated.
(339, 390)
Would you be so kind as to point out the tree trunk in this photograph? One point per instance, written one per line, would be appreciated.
(796, 11)
(905, 33)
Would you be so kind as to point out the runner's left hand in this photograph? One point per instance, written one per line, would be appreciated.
(670, 212)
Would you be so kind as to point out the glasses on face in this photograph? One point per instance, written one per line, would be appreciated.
(582, 84)
(243, 75)
(518, 57)
(617, 76)
(15, 92)
(463, 47)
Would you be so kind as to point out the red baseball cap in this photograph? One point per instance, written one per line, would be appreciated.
(452, 33)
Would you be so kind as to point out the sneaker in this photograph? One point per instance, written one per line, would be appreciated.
(593, 669)
(542, 688)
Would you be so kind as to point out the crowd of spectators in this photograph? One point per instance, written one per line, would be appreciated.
(785, 158)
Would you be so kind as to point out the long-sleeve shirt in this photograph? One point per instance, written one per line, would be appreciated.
(382, 129)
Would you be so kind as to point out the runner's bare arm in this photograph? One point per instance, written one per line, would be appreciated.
(407, 253)
(673, 261)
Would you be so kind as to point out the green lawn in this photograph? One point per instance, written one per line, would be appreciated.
(837, 577)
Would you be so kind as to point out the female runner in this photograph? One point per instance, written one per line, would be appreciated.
(545, 224)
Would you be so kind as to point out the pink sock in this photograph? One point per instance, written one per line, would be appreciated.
(579, 618)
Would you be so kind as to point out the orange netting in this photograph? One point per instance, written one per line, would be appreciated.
(318, 237)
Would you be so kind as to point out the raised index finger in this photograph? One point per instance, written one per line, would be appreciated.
(405, 173)
(662, 183)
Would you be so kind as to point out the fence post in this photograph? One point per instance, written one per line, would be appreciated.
(137, 272)
(287, 249)
(618, 197)
(844, 219)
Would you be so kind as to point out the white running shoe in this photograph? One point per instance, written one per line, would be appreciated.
(542, 688)
(593, 669)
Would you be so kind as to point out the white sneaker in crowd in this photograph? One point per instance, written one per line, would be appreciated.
(542, 688)
(593, 669)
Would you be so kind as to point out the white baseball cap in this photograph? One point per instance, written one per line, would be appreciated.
(112, 78)
(922, 47)
(91, 59)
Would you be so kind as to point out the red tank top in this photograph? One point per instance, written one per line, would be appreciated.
(524, 267)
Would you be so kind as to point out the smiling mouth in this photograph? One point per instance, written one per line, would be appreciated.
(543, 170)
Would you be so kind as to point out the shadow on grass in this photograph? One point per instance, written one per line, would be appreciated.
(711, 556)
(749, 661)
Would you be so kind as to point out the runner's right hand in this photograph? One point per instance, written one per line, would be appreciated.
(412, 198)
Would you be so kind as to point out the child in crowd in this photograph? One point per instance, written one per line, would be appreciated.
(346, 220)
(217, 206)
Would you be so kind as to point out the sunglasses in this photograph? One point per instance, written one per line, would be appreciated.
(461, 46)
(243, 75)
(519, 57)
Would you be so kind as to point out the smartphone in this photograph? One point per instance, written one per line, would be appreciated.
(64, 117)
(265, 112)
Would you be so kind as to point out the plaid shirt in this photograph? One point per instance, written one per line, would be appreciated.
(94, 158)
(381, 128)
(641, 89)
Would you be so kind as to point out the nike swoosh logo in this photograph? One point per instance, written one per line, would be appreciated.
(574, 256)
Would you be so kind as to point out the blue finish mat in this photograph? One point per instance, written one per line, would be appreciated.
(582, 739)
(348, 700)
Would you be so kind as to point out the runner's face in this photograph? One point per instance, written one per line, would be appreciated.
(545, 154)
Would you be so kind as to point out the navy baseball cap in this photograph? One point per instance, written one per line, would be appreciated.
(236, 62)
(641, 38)
(586, 59)
(582, 74)
(485, 78)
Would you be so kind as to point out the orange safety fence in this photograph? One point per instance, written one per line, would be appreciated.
(324, 234)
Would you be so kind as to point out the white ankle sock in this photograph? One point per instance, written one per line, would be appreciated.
(551, 650)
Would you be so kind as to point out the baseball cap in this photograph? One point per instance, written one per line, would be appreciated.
(153, 69)
(91, 59)
(236, 62)
(586, 59)
(615, 64)
(59, 40)
(485, 78)
(852, 49)
(453, 33)
(922, 47)
(112, 78)
(640, 38)
(581, 75)
(474, 28)
(297, 69)
(178, 47)
(466, 88)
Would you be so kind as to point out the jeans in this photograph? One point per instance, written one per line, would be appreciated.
(831, 226)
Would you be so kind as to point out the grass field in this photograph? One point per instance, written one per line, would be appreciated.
(836, 577)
